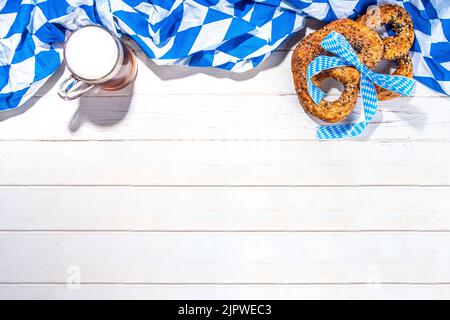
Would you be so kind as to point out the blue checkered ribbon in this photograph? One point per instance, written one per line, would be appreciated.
(347, 57)
(235, 35)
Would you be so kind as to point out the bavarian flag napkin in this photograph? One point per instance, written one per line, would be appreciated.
(229, 34)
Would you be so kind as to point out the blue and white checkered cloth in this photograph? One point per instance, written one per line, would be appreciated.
(235, 35)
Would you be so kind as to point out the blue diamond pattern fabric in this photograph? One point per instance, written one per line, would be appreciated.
(235, 35)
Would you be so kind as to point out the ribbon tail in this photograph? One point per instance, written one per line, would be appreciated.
(340, 131)
(398, 84)
(369, 98)
(370, 105)
(318, 65)
(339, 45)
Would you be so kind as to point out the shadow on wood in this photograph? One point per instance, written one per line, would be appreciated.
(102, 111)
(49, 84)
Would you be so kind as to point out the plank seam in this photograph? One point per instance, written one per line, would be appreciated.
(424, 140)
(44, 187)
(287, 187)
(234, 283)
(255, 93)
(114, 231)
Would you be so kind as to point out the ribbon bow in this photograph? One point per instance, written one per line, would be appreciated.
(346, 57)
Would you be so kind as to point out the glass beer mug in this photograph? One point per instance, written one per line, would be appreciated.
(96, 57)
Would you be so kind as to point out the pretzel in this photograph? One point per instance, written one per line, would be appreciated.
(404, 68)
(394, 47)
(366, 43)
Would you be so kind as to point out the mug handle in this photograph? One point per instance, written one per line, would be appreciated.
(65, 89)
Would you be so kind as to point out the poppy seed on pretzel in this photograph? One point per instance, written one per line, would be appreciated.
(366, 43)
(395, 48)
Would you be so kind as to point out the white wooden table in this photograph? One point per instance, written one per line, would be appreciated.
(205, 184)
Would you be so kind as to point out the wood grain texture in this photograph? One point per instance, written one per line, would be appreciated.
(200, 209)
(212, 117)
(223, 163)
(233, 258)
(274, 76)
(199, 183)
(233, 292)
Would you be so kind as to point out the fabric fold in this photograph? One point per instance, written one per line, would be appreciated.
(228, 34)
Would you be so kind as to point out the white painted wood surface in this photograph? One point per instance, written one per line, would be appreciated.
(204, 184)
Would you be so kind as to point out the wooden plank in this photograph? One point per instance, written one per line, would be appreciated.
(218, 258)
(206, 292)
(224, 209)
(274, 76)
(212, 117)
(245, 163)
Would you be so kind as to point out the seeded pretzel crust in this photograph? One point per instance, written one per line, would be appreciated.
(404, 68)
(366, 43)
(395, 47)
(400, 21)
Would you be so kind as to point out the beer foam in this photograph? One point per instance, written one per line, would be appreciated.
(91, 53)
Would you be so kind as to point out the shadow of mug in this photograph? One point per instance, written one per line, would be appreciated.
(102, 110)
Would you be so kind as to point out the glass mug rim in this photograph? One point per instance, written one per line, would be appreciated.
(65, 87)
(117, 64)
